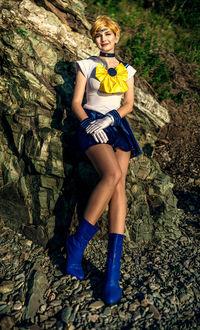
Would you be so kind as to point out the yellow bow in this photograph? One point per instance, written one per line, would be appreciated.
(112, 80)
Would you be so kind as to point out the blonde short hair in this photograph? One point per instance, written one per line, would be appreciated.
(106, 21)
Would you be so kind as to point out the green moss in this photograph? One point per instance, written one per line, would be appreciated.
(22, 31)
(6, 6)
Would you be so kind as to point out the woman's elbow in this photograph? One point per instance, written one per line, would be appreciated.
(130, 107)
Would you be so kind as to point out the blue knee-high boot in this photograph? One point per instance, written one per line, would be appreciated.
(112, 291)
(75, 247)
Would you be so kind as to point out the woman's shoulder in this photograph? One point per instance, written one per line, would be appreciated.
(127, 65)
(88, 61)
(86, 65)
(131, 70)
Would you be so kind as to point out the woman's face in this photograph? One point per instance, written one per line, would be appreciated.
(106, 40)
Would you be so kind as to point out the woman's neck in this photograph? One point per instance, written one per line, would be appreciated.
(112, 62)
(107, 54)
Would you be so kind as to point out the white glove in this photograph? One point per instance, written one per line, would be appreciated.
(99, 124)
(100, 136)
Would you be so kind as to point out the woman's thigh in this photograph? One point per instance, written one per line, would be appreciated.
(104, 160)
(123, 158)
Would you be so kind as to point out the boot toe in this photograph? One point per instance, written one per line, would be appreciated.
(75, 270)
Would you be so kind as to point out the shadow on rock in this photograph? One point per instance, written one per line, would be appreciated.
(188, 201)
(80, 177)
(90, 270)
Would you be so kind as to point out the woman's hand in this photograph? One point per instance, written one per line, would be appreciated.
(112, 118)
(100, 136)
(99, 124)
(86, 123)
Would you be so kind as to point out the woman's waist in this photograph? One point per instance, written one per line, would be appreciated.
(94, 113)
(103, 110)
(97, 115)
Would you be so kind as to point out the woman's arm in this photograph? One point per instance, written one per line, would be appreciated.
(127, 106)
(77, 100)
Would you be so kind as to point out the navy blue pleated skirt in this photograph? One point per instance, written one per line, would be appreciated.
(119, 137)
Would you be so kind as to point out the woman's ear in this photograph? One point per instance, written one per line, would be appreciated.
(117, 40)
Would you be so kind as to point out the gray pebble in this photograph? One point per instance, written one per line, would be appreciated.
(66, 313)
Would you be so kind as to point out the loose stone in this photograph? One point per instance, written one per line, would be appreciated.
(43, 308)
(155, 312)
(52, 297)
(49, 323)
(93, 317)
(6, 286)
(137, 316)
(96, 305)
(56, 303)
(29, 243)
(107, 311)
(66, 313)
(134, 306)
(144, 302)
(59, 325)
(43, 318)
(20, 277)
(17, 306)
(71, 327)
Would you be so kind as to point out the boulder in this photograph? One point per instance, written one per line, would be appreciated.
(44, 180)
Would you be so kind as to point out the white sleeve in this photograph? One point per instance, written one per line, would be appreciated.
(83, 66)
(131, 71)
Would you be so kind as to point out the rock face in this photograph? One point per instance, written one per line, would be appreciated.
(43, 177)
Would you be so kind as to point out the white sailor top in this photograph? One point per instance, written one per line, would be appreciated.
(96, 100)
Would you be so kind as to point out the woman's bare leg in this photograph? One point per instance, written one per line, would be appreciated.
(106, 164)
(117, 205)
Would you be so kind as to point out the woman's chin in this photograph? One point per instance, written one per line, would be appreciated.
(106, 50)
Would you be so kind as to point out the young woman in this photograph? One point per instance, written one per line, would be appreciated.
(108, 141)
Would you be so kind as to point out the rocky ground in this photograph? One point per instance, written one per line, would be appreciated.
(161, 285)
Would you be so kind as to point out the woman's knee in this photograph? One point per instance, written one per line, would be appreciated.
(120, 187)
(113, 177)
